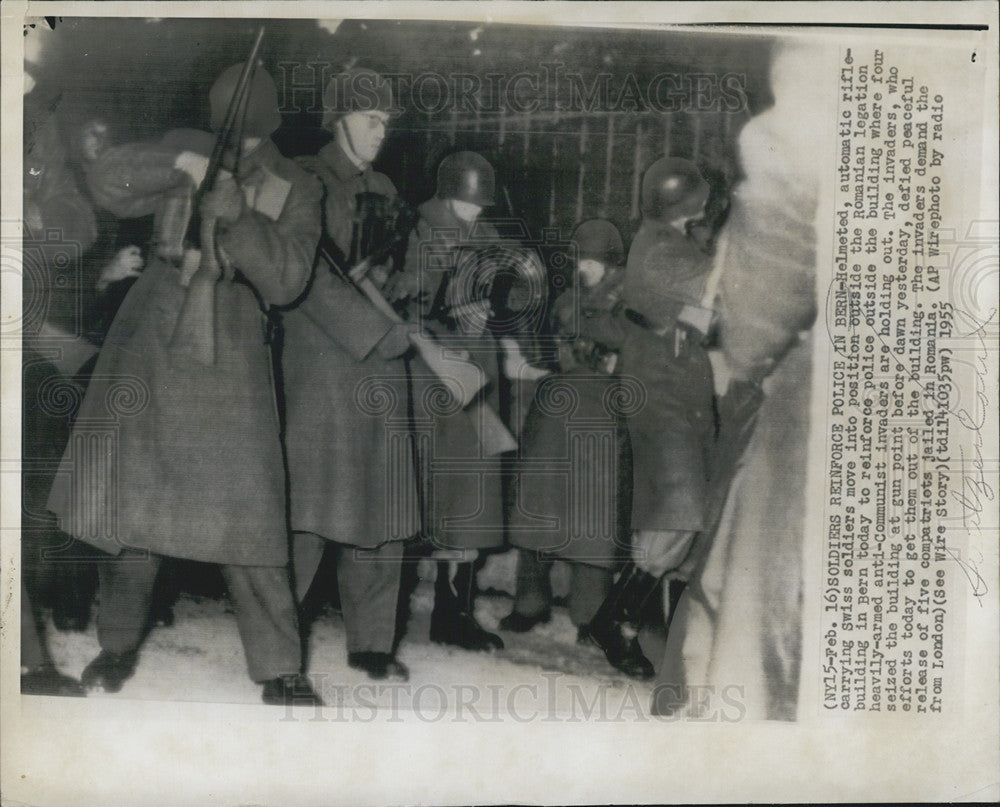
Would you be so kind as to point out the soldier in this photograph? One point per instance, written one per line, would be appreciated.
(53, 206)
(197, 457)
(672, 433)
(449, 295)
(339, 350)
(588, 530)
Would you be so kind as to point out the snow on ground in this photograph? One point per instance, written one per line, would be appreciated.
(200, 659)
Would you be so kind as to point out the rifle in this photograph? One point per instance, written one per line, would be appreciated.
(462, 378)
(194, 333)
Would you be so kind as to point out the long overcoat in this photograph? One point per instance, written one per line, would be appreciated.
(573, 472)
(167, 454)
(350, 458)
(462, 492)
(673, 431)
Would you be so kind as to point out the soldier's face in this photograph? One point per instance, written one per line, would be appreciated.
(466, 211)
(591, 272)
(364, 133)
(95, 136)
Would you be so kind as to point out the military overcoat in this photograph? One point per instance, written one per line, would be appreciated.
(672, 432)
(350, 458)
(573, 471)
(167, 454)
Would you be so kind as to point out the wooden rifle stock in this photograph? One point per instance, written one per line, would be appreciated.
(194, 332)
(463, 379)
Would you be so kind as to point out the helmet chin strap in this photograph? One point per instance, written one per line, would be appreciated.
(347, 143)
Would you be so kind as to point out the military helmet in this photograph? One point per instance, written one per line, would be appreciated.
(466, 176)
(356, 90)
(673, 187)
(261, 102)
(598, 240)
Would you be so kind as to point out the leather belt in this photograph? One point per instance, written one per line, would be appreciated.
(676, 335)
(663, 331)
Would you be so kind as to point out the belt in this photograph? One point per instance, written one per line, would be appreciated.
(676, 334)
(663, 331)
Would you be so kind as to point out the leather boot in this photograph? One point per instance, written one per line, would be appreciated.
(47, 680)
(290, 690)
(379, 665)
(674, 591)
(452, 620)
(109, 671)
(614, 627)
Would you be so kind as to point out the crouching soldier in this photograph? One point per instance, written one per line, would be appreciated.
(577, 514)
(195, 466)
(342, 359)
(673, 431)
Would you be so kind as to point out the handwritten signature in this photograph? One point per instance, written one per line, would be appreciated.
(976, 490)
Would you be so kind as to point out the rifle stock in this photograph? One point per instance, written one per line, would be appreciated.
(494, 438)
(194, 333)
(461, 377)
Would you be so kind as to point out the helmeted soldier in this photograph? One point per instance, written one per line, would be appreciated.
(195, 446)
(672, 432)
(578, 511)
(342, 360)
(53, 204)
(448, 289)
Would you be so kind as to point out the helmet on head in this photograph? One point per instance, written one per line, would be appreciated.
(671, 188)
(598, 240)
(466, 176)
(261, 102)
(356, 90)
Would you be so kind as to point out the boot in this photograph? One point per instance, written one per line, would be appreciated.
(532, 595)
(517, 622)
(47, 680)
(614, 627)
(379, 665)
(674, 591)
(290, 690)
(452, 620)
(109, 671)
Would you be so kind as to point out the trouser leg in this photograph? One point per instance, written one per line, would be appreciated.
(533, 594)
(266, 616)
(307, 552)
(126, 592)
(588, 587)
(33, 655)
(658, 552)
(369, 591)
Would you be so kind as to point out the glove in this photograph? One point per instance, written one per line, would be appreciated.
(193, 164)
(397, 341)
(126, 263)
(515, 366)
(701, 319)
(567, 357)
(403, 285)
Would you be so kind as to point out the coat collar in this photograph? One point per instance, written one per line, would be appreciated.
(265, 154)
(333, 156)
(436, 213)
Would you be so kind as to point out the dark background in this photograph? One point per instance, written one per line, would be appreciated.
(147, 76)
